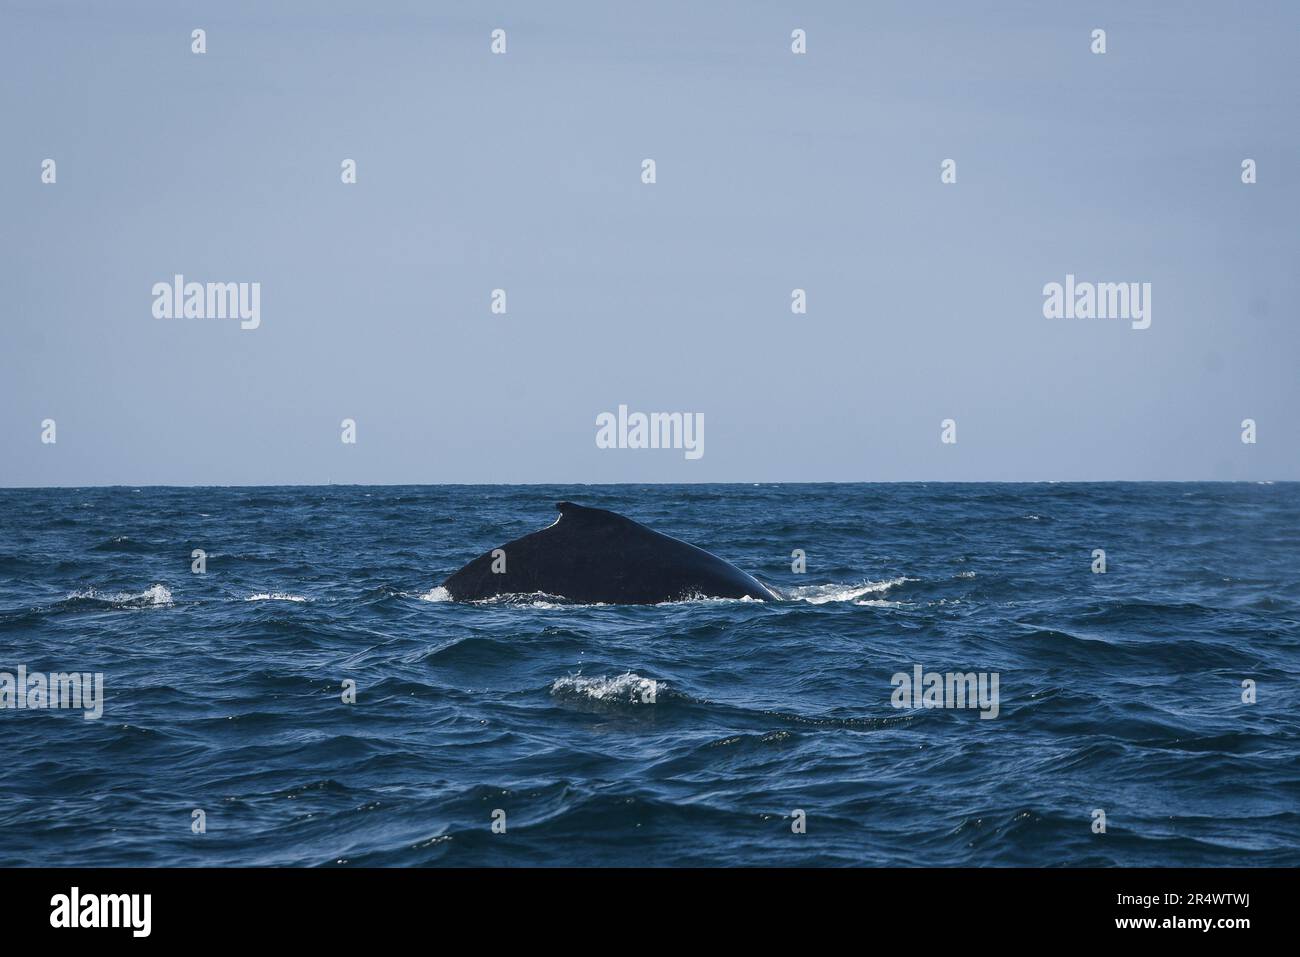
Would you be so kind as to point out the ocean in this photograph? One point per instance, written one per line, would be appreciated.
(311, 698)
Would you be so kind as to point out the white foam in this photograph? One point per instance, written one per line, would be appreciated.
(822, 594)
(550, 605)
(813, 594)
(533, 600)
(628, 687)
(276, 596)
(155, 596)
(536, 599)
(698, 599)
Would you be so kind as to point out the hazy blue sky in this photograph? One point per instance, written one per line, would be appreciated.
(522, 171)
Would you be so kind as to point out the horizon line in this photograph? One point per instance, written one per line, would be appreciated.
(751, 484)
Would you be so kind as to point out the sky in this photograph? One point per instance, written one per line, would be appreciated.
(522, 171)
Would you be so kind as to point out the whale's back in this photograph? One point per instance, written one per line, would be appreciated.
(591, 555)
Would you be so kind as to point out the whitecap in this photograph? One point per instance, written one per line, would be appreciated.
(155, 596)
(822, 594)
(629, 687)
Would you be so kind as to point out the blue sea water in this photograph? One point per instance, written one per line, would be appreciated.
(1119, 691)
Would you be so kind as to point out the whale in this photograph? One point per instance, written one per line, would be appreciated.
(594, 556)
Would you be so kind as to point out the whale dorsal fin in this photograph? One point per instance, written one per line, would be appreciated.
(595, 556)
(586, 516)
(573, 510)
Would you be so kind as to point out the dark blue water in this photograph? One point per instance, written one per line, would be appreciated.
(1119, 691)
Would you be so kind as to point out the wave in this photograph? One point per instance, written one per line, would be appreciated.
(155, 596)
(627, 688)
(123, 544)
(811, 594)
(536, 599)
(824, 594)
(276, 596)
(544, 600)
